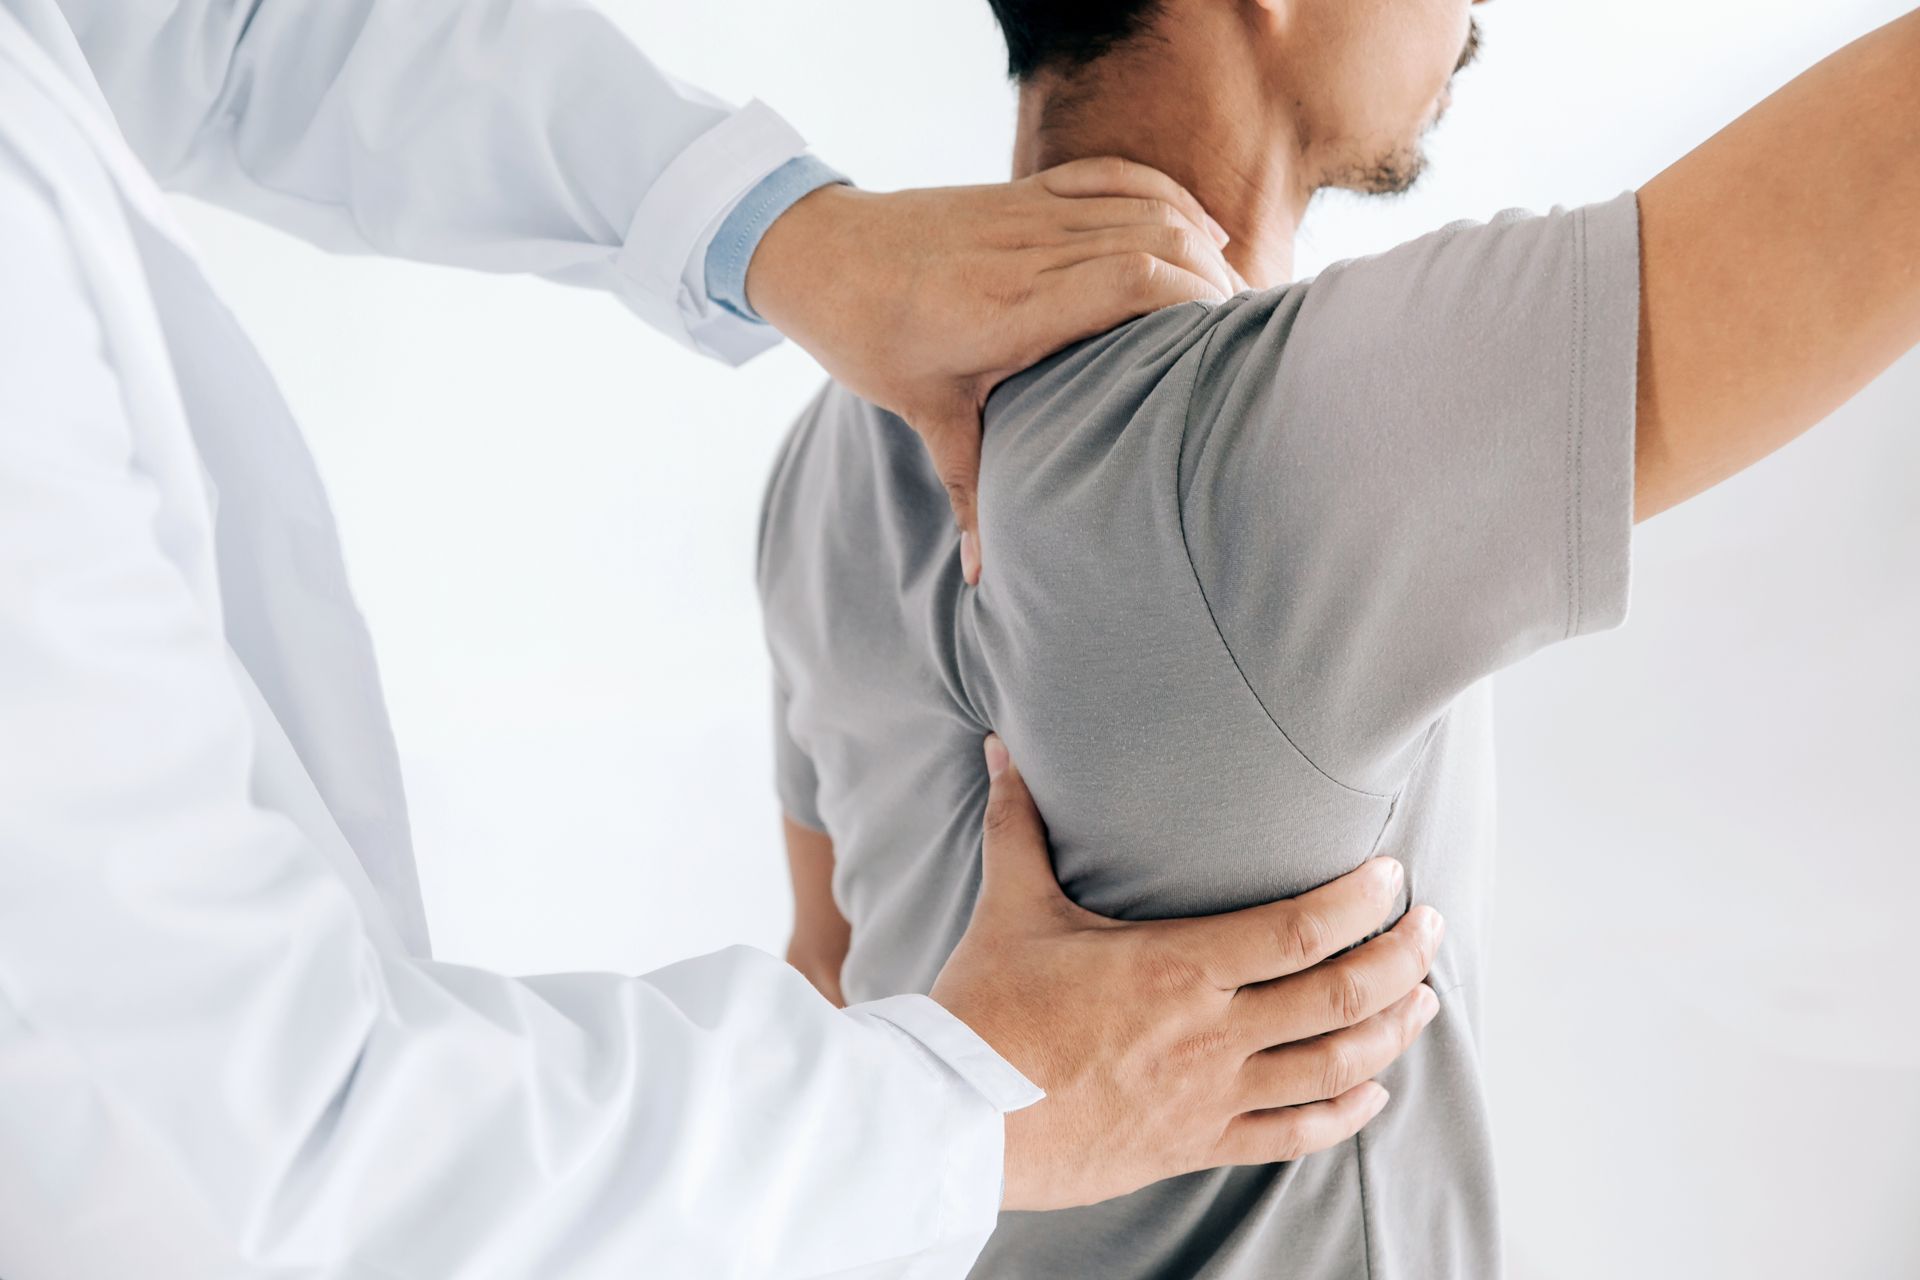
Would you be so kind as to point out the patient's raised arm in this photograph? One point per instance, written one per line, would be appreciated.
(1781, 267)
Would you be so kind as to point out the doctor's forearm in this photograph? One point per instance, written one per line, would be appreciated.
(508, 135)
(422, 126)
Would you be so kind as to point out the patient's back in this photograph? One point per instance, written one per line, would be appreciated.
(1246, 567)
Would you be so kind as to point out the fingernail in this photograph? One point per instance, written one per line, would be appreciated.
(1393, 875)
(970, 558)
(997, 757)
(1430, 924)
(1220, 235)
(1429, 1005)
(1380, 1103)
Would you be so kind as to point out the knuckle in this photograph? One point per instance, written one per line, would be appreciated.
(1347, 994)
(1139, 271)
(1290, 1141)
(1168, 969)
(1202, 1046)
(960, 489)
(1000, 814)
(1171, 244)
(1160, 213)
(1008, 290)
(1302, 935)
(1339, 1069)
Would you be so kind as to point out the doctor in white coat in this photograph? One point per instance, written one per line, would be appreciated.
(224, 1047)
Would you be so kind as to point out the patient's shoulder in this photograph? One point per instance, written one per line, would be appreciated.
(1079, 503)
(1068, 429)
(1128, 362)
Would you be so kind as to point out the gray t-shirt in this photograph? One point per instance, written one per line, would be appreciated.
(1248, 566)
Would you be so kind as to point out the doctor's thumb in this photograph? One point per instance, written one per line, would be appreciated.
(1016, 868)
(953, 441)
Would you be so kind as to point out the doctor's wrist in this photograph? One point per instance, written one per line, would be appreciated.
(803, 275)
(737, 241)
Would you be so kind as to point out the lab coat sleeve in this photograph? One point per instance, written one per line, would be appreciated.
(508, 135)
(207, 984)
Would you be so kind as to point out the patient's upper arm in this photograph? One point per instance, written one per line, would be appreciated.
(794, 777)
(821, 934)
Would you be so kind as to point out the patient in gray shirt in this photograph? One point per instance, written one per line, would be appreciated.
(1249, 566)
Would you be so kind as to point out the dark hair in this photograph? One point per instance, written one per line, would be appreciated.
(1067, 33)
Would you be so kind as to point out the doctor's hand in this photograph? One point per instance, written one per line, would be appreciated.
(1168, 1046)
(923, 301)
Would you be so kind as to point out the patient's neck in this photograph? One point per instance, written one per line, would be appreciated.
(1238, 158)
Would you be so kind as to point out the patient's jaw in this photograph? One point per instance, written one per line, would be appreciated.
(1254, 105)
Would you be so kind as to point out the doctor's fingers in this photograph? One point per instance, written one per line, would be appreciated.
(1291, 1133)
(1084, 218)
(1109, 180)
(1094, 295)
(1099, 213)
(1181, 248)
(1340, 992)
(1327, 1066)
(1240, 948)
(953, 443)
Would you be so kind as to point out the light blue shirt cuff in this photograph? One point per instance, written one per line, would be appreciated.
(739, 235)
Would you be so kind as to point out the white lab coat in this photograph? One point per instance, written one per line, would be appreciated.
(224, 1050)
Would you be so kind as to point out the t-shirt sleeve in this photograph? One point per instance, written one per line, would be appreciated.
(1416, 469)
(793, 774)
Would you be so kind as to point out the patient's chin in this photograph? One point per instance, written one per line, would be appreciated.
(1387, 173)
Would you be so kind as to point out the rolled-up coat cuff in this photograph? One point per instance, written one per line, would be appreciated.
(989, 1087)
(956, 1045)
(662, 264)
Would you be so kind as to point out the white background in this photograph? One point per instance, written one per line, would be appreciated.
(1705, 1045)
